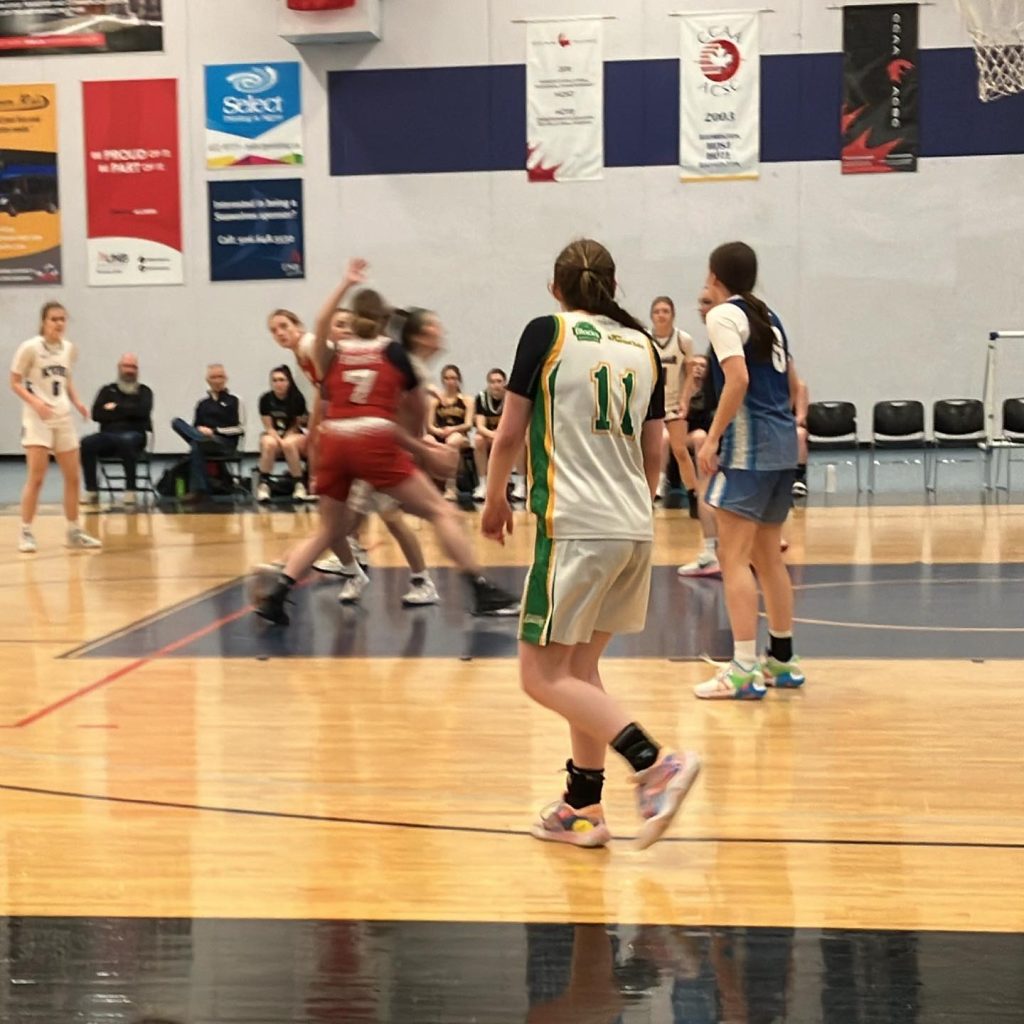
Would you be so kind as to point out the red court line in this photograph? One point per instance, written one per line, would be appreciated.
(125, 670)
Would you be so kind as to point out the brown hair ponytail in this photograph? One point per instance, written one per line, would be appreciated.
(735, 265)
(585, 277)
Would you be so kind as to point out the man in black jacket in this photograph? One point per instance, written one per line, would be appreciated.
(124, 411)
(217, 427)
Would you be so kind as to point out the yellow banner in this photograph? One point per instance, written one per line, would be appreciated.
(30, 234)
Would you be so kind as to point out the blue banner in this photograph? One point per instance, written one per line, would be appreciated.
(253, 115)
(256, 230)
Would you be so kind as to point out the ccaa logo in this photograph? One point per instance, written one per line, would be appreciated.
(720, 60)
(254, 79)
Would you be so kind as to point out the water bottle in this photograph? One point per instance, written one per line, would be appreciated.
(830, 478)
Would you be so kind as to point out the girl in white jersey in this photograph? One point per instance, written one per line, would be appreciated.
(587, 385)
(675, 347)
(750, 455)
(41, 378)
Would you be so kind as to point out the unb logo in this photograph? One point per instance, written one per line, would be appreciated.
(586, 332)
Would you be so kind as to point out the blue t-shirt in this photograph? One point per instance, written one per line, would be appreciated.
(762, 436)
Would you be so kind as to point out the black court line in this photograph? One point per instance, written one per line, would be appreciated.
(148, 620)
(330, 819)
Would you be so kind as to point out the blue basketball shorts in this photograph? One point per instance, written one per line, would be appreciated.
(764, 495)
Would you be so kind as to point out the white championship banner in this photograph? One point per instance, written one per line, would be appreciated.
(565, 100)
(720, 96)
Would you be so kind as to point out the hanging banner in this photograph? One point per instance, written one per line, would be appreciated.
(29, 197)
(565, 101)
(43, 27)
(256, 230)
(133, 188)
(720, 97)
(253, 114)
(879, 117)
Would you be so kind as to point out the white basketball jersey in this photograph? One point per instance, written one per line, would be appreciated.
(586, 463)
(45, 370)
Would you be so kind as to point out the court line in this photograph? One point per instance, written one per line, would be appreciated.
(146, 620)
(330, 819)
(124, 670)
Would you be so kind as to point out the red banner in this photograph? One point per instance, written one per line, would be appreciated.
(133, 182)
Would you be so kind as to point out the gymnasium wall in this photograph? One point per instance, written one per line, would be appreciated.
(887, 284)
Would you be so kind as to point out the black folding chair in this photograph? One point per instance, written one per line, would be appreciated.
(956, 423)
(898, 424)
(832, 427)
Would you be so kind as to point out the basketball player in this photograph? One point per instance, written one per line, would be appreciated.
(41, 376)
(675, 347)
(450, 417)
(750, 455)
(588, 387)
(374, 415)
(487, 410)
(364, 501)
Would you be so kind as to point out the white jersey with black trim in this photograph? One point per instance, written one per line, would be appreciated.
(45, 370)
(593, 384)
(674, 351)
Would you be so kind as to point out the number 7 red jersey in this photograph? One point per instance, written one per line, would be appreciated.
(367, 379)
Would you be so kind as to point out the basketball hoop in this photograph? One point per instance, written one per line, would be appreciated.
(997, 30)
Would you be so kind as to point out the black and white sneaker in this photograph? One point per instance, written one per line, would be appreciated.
(268, 592)
(489, 599)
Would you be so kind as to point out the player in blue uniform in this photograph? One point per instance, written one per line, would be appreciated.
(750, 454)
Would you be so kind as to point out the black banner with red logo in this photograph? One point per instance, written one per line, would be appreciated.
(879, 118)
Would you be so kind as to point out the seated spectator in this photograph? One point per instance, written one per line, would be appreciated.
(284, 414)
(124, 411)
(217, 427)
(487, 416)
(450, 416)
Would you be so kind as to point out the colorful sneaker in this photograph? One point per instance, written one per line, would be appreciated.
(353, 587)
(660, 791)
(421, 591)
(731, 682)
(703, 565)
(78, 538)
(27, 542)
(560, 823)
(786, 675)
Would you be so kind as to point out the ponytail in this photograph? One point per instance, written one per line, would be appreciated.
(762, 335)
(585, 276)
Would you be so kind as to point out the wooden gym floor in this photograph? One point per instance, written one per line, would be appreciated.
(208, 819)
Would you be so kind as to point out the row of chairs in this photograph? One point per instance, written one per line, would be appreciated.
(900, 424)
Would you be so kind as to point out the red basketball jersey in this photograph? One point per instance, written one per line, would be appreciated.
(367, 378)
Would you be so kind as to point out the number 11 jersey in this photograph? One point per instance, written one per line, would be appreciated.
(593, 384)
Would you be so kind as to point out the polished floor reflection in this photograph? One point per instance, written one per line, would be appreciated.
(123, 971)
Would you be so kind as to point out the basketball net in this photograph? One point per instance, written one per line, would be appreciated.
(997, 30)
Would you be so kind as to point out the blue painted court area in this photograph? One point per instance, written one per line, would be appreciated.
(843, 611)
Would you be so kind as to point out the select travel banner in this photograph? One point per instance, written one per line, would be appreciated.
(720, 97)
(45, 27)
(253, 114)
(256, 230)
(133, 186)
(879, 115)
(565, 101)
(29, 197)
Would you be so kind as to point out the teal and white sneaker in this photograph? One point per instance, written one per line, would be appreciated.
(733, 682)
(785, 675)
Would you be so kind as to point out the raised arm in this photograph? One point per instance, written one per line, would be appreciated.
(355, 274)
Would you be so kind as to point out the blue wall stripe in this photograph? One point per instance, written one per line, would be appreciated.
(427, 120)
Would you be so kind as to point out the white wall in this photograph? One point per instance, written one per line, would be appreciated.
(887, 284)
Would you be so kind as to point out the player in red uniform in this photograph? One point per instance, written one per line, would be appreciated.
(373, 416)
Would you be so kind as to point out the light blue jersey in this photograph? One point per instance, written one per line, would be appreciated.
(762, 435)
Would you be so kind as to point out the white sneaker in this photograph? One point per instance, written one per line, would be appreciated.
(299, 492)
(421, 591)
(78, 538)
(518, 490)
(91, 498)
(27, 542)
(358, 553)
(703, 565)
(799, 489)
(479, 492)
(353, 587)
(263, 491)
(331, 565)
(128, 498)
